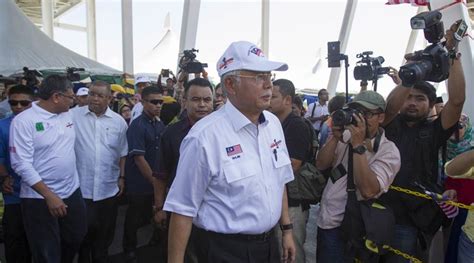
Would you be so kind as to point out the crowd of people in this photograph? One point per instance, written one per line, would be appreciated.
(218, 169)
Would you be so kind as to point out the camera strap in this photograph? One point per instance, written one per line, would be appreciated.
(314, 108)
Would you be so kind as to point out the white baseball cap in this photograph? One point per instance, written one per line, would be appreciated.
(82, 92)
(142, 79)
(247, 56)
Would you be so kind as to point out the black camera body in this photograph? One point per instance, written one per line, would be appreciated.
(432, 63)
(189, 63)
(30, 76)
(369, 68)
(72, 75)
(344, 116)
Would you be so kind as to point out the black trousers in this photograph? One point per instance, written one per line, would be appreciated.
(52, 239)
(101, 218)
(139, 213)
(17, 249)
(222, 248)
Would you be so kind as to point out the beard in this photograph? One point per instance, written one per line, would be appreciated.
(409, 118)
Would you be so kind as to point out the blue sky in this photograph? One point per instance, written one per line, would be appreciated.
(298, 29)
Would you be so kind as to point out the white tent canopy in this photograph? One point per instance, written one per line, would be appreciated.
(23, 44)
(163, 55)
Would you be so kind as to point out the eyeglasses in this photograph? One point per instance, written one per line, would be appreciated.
(203, 99)
(259, 78)
(370, 114)
(100, 96)
(23, 103)
(67, 96)
(154, 102)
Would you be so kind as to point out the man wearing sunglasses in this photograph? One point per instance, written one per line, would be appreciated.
(232, 170)
(16, 244)
(42, 153)
(143, 138)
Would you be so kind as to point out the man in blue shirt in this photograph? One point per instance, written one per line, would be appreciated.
(143, 138)
(16, 244)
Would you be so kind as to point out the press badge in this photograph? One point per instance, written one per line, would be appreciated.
(337, 172)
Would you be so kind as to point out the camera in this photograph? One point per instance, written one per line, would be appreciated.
(31, 77)
(344, 116)
(165, 73)
(189, 63)
(369, 68)
(432, 63)
(72, 75)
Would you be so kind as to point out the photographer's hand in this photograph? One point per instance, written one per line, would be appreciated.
(358, 133)
(393, 73)
(451, 42)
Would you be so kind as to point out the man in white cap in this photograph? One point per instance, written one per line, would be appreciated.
(141, 82)
(235, 192)
(82, 96)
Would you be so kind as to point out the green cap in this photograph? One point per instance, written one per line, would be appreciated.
(370, 100)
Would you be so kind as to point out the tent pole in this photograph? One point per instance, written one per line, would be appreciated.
(127, 36)
(351, 7)
(189, 25)
(91, 30)
(265, 31)
(47, 15)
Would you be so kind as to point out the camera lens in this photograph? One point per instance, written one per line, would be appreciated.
(415, 71)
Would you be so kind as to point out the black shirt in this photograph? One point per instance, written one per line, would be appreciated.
(168, 154)
(143, 138)
(419, 160)
(298, 141)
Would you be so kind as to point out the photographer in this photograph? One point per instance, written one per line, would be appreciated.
(419, 141)
(376, 160)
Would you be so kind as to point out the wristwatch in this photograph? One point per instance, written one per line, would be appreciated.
(286, 227)
(361, 149)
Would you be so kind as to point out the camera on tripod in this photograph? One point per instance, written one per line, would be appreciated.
(432, 63)
(72, 75)
(189, 63)
(369, 68)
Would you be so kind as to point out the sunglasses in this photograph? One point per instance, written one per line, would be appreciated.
(155, 102)
(23, 103)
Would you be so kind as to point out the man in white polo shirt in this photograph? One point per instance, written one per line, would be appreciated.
(42, 154)
(232, 171)
(101, 148)
(141, 82)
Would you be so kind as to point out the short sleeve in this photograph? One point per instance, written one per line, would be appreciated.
(136, 138)
(192, 179)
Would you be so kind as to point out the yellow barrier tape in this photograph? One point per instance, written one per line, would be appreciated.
(422, 195)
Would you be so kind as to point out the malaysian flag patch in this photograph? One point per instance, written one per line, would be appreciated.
(233, 150)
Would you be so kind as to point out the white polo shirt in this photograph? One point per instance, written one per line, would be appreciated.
(231, 173)
(385, 163)
(137, 110)
(42, 149)
(100, 143)
(318, 112)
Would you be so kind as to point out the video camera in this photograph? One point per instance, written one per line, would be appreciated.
(369, 68)
(31, 77)
(189, 63)
(432, 63)
(72, 75)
